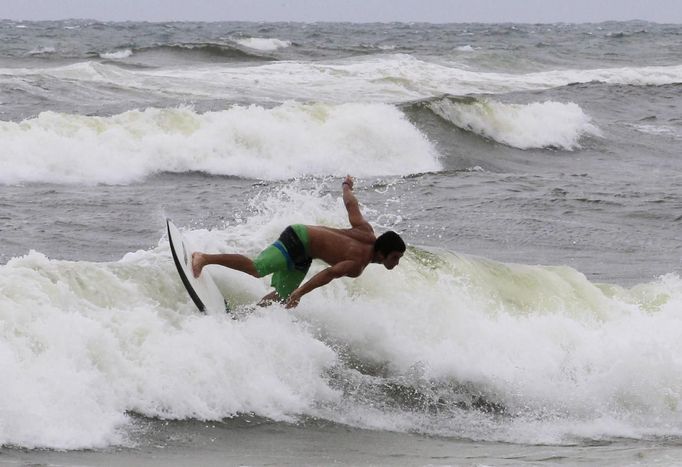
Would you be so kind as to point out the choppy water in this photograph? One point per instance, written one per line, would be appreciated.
(535, 171)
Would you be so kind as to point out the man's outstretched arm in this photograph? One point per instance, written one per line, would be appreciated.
(324, 277)
(354, 215)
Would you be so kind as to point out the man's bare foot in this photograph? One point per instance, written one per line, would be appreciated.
(197, 263)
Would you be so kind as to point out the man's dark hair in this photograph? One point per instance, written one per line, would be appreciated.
(388, 242)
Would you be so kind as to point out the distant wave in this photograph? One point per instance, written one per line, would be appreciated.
(393, 78)
(117, 55)
(626, 34)
(204, 51)
(668, 131)
(278, 143)
(43, 51)
(535, 125)
(263, 44)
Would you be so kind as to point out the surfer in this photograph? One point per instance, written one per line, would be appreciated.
(347, 251)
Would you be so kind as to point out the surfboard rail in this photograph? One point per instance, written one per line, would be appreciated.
(202, 290)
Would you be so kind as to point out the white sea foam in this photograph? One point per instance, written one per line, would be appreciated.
(559, 355)
(659, 130)
(42, 51)
(117, 55)
(263, 44)
(82, 344)
(399, 77)
(383, 78)
(284, 142)
(524, 126)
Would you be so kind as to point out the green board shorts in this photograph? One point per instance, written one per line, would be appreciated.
(279, 260)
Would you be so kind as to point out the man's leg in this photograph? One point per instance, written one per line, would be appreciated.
(233, 261)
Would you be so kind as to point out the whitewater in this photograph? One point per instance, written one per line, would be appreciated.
(546, 353)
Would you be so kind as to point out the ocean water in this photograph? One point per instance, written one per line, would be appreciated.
(534, 170)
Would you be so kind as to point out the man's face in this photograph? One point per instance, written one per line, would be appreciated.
(392, 259)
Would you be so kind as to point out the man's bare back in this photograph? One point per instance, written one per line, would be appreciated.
(334, 246)
(347, 251)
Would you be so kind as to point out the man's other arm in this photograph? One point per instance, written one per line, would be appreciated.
(354, 215)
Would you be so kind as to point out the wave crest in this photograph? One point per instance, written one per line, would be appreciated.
(263, 44)
(203, 51)
(283, 142)
(546, 124)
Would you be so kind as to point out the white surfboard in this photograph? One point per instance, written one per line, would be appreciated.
(203, 291)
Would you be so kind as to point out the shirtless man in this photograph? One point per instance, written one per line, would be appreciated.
(347, 251)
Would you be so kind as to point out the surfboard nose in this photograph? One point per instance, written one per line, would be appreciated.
(202, 290)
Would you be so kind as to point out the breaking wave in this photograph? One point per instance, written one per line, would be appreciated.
(263, 44)
(202, 51)
(445, 344)
(536, 125)
(279, 143)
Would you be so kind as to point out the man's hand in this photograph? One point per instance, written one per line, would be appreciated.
(293, 300)
(348, 181)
